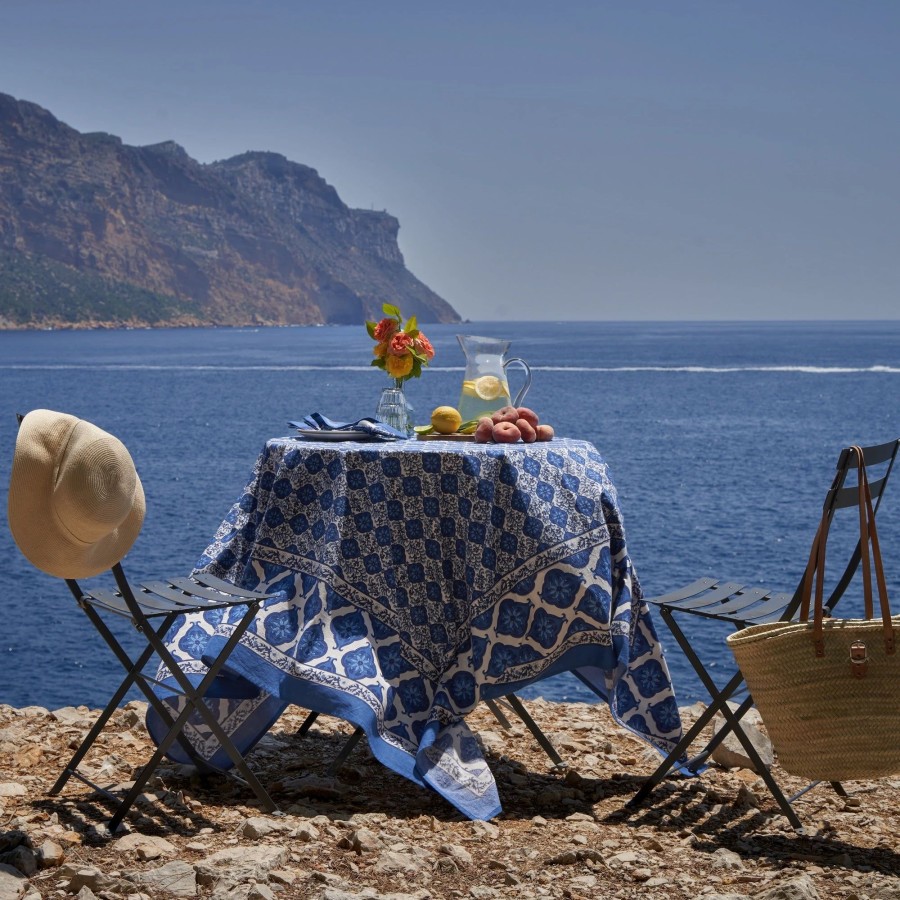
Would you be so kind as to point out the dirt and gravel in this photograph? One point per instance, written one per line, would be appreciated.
(368, 833)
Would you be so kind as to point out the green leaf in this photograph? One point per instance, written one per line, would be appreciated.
(411, 326)
(389, 310)
(370, 327)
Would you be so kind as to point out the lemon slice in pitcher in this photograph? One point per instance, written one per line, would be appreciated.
(490, 387)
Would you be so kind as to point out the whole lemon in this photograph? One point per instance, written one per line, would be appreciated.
(445, 419)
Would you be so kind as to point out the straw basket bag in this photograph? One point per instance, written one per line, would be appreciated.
(828, 690)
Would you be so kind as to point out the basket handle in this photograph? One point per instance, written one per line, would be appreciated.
(815, 568)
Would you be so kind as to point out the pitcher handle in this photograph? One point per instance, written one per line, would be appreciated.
(524, 390)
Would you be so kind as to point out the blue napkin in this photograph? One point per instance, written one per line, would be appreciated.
(368, 426)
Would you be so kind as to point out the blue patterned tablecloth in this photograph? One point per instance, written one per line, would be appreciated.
(412, 580)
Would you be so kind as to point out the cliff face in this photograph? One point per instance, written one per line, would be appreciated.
(95, 231)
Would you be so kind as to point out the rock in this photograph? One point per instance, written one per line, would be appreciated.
(799, 888)
(176, 877)
(13, 884)
(392, 862)
(72, 717)
(87, 876)
(237, 864)
(364, 840)
(258, 827)
(50, 855)
(306, 833)
(457, 853)
(731, 754)
(21, 858)
(726, 859)
(12, 789)
(146, 846)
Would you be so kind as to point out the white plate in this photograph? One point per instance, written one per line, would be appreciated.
(316, 434)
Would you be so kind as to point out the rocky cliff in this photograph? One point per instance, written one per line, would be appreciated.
(93, 231)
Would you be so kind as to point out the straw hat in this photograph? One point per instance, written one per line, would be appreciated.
(76, 504)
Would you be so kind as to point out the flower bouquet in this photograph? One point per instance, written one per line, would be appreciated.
(400, 350)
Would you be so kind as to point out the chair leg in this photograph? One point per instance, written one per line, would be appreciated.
(307, 724)
(195, 698)
(100, 724)
(719, 704)
(533, 727)
(345, 751)
(195, 701)
(498, 714)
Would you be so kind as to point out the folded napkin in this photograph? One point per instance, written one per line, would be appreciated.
(372, 428)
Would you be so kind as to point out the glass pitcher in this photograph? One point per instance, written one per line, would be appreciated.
(485, 388)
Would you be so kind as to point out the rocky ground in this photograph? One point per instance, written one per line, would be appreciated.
(368, 833)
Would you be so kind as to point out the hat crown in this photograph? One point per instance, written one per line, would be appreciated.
(75, 503)
(95, 484)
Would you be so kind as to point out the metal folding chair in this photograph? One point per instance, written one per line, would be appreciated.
(153, 608)
(740, 606)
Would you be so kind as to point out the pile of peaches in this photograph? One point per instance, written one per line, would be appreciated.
(511, 424)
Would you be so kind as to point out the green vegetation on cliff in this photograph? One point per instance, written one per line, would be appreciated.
(40, 291)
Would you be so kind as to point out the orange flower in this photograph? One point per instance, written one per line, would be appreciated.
(400, 344)
(423, 345)
(398, 366)
(379, 351)
(385, 329)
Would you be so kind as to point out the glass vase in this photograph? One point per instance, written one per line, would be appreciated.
(394, 409)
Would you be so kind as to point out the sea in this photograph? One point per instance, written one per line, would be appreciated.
(721, 439)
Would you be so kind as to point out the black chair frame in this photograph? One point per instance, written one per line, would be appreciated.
(740, 607)
(153, 608)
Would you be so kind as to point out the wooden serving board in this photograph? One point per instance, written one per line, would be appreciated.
(446, 437)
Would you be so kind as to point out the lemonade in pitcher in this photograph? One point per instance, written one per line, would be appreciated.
(485, 388)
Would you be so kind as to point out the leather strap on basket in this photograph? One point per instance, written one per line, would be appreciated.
(815, 571)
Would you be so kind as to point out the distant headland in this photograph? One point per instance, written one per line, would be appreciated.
(97, 233)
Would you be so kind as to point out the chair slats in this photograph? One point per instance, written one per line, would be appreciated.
(206, 600)
(770, 611)
(225, 587)
(689, 590)
(717, 595)
(742, 601)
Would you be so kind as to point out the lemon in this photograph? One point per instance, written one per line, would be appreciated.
(490, 387)
(446, 419)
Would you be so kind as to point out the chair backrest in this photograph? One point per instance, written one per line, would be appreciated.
(879, 460)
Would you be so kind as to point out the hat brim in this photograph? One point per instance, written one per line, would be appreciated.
(35, 527)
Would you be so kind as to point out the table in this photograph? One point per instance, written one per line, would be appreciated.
(412, 580)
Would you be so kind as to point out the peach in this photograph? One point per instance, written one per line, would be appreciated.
(506, 433)
(527, 430)
(505, 414)
(544, 432)
(484, 430)
(529, 415)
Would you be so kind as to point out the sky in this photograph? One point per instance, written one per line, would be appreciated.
(630, 160)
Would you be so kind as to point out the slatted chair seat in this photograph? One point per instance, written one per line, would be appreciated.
(740, 606)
